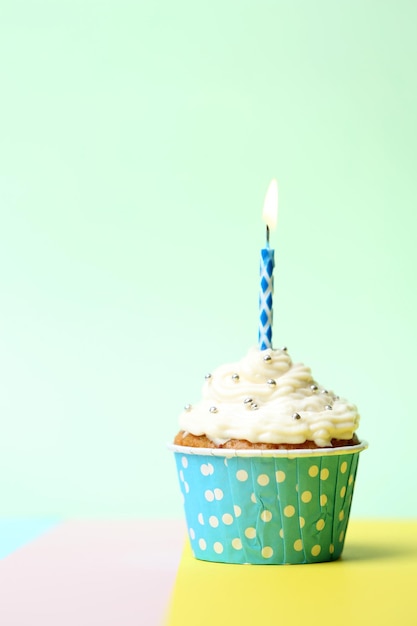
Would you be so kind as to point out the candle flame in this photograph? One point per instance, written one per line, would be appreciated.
(270, 210)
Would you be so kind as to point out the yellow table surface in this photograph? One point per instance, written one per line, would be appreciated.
(375, 582)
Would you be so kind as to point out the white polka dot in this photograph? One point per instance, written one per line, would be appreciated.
(192, 533)
(315, 550)
(237, 544)
(181, 475)
(184, 462)
(253, 498)
(306, 496)
(320, 524)
(218, 547)
(298, 545)
(225, 462)
(324, 474)
(280, 476)
(266, 516)
(242, 475)
(227, 519)
(343, 467)
(204, 469)
(200, 519)
(263, 480)
(323, 499)
(237, 510)
(341, 515)
(218, 494)
(209, 495)
(202, 544)
(267, 552)
(213, 521)
(210, 468)
(250, 532)
(186, 487)
(313, 470)
(302, 522)
(289, 510)
(343, 492)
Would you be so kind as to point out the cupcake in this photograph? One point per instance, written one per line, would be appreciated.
(267, 462)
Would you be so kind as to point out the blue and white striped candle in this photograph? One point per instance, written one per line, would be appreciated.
(269, 215)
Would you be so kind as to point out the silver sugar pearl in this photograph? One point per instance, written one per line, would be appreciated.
(247, 400)
(213, 409)
(267, 357)
(271, 381)
(324, 391)
(188, 407)
(328, 407)
(254, 406)
(313, 387)
(284, 348)
(207, 376)
(296, 416)
(235, 377)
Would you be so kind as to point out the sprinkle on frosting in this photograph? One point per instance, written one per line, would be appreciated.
(290, 407)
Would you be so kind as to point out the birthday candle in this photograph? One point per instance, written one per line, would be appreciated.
(269, 215)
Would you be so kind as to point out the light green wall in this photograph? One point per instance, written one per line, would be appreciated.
(137, 141)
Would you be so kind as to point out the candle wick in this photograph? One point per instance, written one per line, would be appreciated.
(267, 235)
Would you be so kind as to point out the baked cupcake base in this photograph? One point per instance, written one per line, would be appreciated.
(202, 441)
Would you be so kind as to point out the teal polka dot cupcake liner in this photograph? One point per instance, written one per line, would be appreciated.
(267, 507)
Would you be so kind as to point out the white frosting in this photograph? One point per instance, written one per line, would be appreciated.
(267, 416)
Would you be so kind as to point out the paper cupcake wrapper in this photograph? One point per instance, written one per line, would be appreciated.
(267, 507)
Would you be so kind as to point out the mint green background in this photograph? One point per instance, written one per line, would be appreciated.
(137, 142)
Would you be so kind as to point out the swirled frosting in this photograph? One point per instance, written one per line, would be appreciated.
(266, 398)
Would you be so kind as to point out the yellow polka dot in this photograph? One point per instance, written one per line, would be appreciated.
(343, 492)
(350, 481)
(267, 552)
(250, 532)
(202, 544)
(343, 467)
(315, 550)
(253, 498)
(320, 524)
(302, 522)
(242, 475)
(236, 544)
(280, 476)
(209, 495)
(289, 510)
(331, 548)
(266, 516)
(218, 547)
(213, 521)
(342, 535)
(263, 480)
(227, 519)
(306, 496)
(341, 515)
(323, 499)
(281, 533)
(298, 545)
(218, 494)
(296, 487)
(324, 474)
(237, 510)
(313, 470)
